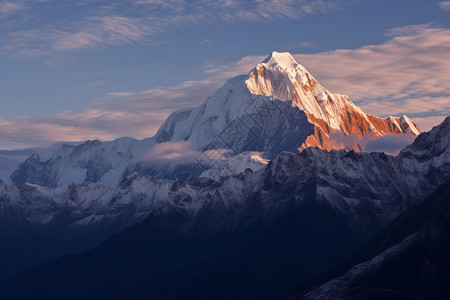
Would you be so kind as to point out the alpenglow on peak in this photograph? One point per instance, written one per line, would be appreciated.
(303, 114)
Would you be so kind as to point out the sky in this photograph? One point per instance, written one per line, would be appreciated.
(79, 70)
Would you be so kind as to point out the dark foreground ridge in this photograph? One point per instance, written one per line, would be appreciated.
(408, 261)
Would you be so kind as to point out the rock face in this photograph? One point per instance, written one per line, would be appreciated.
(278, 106)
(361, 190)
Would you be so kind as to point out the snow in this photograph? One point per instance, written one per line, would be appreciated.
(344, 180)
(281, 77)
(322, 97)
(235, 165)
(282, 59)
(278, 78)
(366, 188)
(408, 126)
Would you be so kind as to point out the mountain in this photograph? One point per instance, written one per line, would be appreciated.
(278, 106)
(323, 206)
(10, 159)
(408, 261)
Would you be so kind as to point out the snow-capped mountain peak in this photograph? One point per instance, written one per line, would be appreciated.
(282, 59)
(277, 106)
(408, 126)
(281, 77)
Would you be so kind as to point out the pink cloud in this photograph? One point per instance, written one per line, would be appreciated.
(173, 152)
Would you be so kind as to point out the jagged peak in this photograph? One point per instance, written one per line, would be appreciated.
(408, 126)
(434, 141)
(443, 128)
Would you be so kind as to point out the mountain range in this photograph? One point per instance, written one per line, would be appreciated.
(278, 106)
(263, 191)
(254, 234)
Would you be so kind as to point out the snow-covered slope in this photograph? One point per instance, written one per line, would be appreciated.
(278, 106)
(367, 189)
(279, 100)
(92, 161)
(235, 165)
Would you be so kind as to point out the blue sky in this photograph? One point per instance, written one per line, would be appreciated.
(76, 70)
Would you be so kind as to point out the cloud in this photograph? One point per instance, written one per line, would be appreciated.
(119, 114)
(206, 42)
(405, 75)
(414, 62)
(114, 24)
(174, 152)
(8, 8)
(389, 144)
(344, 141)
(92, 33)
(445, 5)
(238, 10)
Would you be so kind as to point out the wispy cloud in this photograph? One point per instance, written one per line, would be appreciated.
(445, 5)
(8, 8)
(181, 152)
(111, 24)
(390, 144)
(405, 75)
(118, 114)
(250, 10)
(77, 126)
(92, 33)
(414, 61)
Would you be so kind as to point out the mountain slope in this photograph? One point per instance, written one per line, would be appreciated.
(360, 192)
(409, 261)
(247, 112)
(157, 259)
(278, 106)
